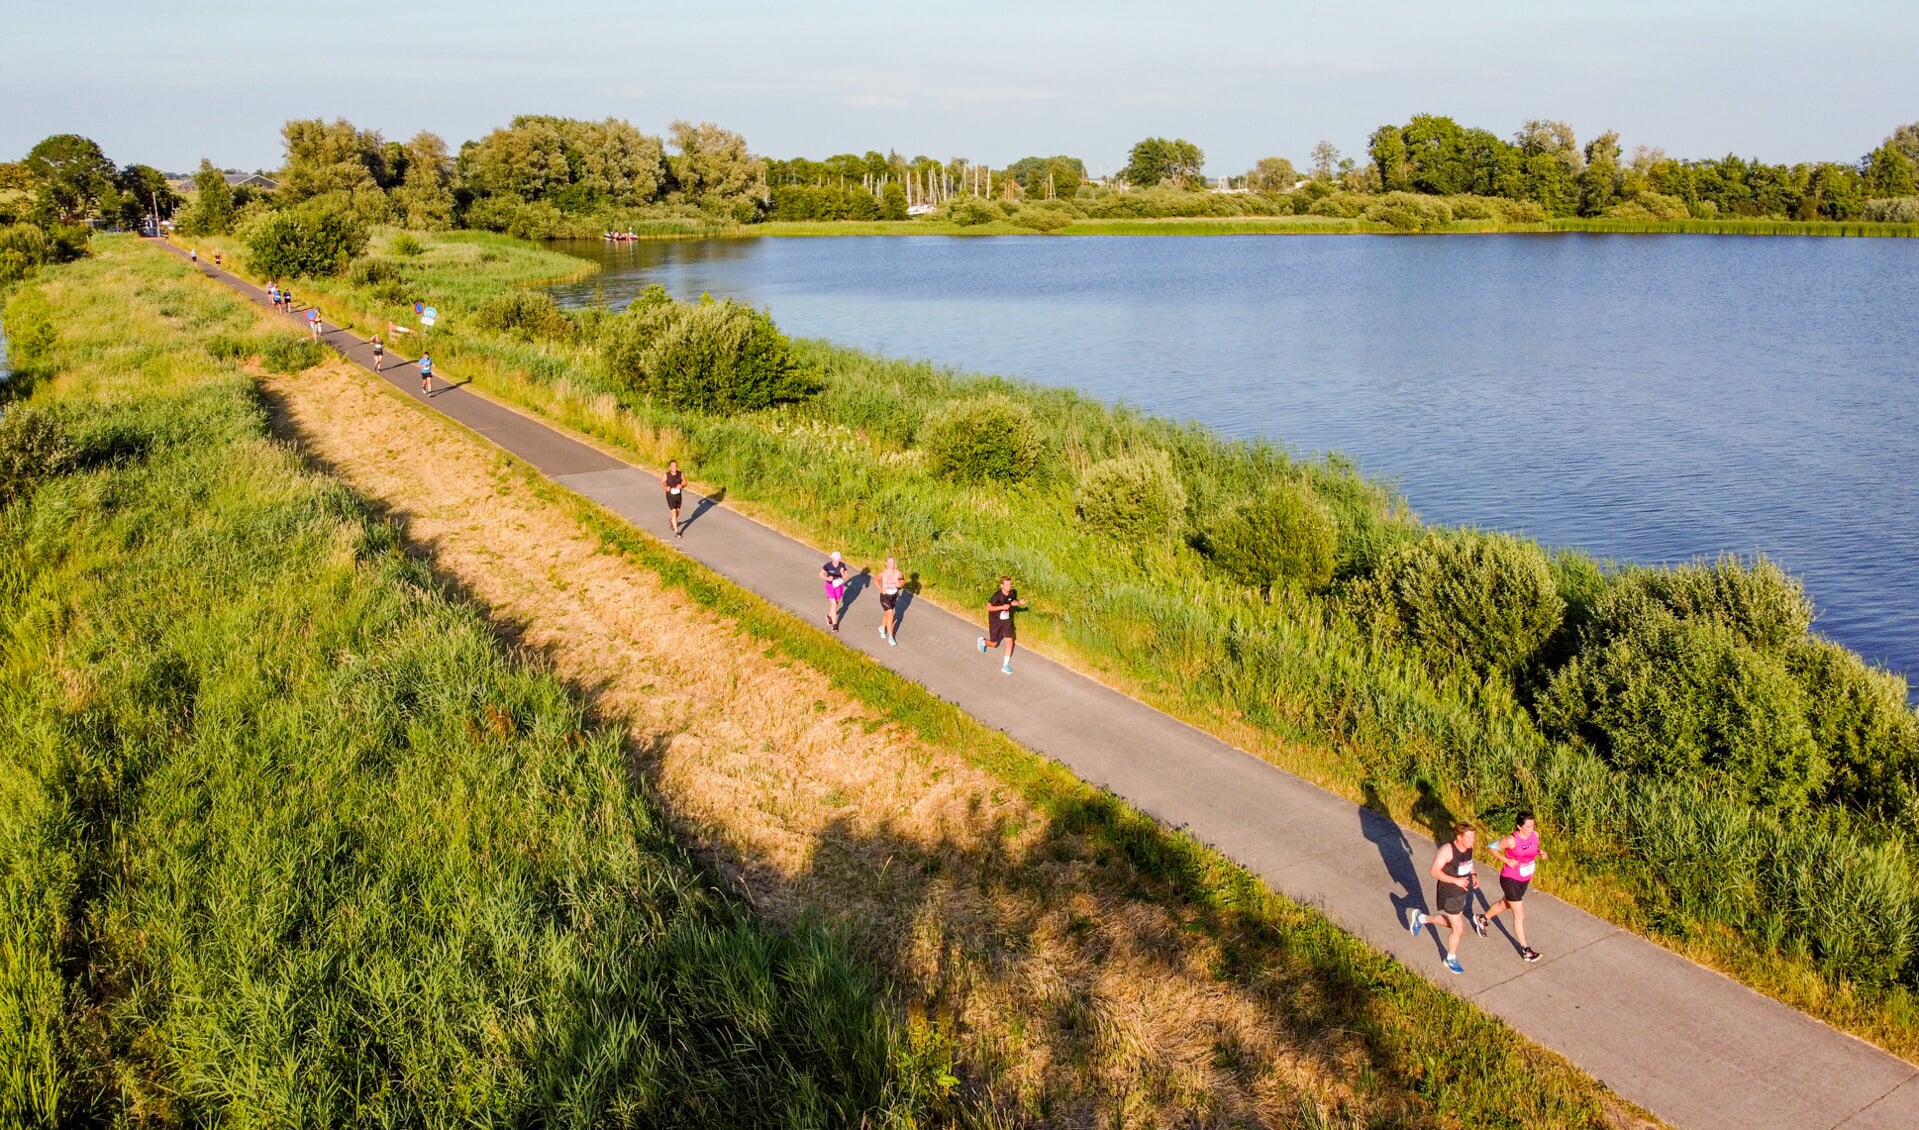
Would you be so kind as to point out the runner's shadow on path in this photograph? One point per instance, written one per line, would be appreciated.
(855, 585)
(1378, 826)
(706, 503)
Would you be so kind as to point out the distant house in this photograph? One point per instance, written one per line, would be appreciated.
(251, 180)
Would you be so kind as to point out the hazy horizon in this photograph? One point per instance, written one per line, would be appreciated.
(993, 82)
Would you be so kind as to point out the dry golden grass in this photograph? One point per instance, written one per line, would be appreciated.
(1072, 995)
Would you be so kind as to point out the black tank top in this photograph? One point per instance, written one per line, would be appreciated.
(1461, 864)
(675, 480)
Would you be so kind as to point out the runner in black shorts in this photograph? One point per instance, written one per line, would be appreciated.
(1454, 877)
(891, 582)
(379, 353)
(999, 621)
(673, 481)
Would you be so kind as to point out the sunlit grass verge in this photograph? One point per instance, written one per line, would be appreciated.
(290, 839)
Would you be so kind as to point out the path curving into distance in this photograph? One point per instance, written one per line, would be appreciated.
(1692, 1046)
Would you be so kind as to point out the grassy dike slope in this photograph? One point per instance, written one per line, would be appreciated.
(288, 837)
(1087, 967)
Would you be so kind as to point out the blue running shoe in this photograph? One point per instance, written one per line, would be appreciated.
(1414, 920)
(1452, 963)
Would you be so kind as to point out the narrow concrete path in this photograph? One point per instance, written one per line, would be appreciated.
(1693, 1047)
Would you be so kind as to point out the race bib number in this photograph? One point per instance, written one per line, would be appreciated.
(1526, 869)
(1006, 615)
(1465, 869)
(675, 492)
(890, 592)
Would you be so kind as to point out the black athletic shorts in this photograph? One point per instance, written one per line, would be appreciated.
(1513, 889)
(888, 600)
(672, 501)
(998, 629)
(1450, 899)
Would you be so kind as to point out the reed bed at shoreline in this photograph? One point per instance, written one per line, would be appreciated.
(1816, 910)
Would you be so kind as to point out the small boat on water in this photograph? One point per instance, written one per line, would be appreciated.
(619, 236)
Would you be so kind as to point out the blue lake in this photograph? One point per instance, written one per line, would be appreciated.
(1645, 398)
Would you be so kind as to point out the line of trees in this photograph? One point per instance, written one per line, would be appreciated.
(48, 198)
(1543, 163)
(541, 176)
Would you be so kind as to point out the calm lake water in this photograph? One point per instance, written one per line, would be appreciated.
(1645, 398)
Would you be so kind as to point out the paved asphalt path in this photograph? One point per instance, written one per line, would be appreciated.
(1693, 1047)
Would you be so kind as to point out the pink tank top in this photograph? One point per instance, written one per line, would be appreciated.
(1520, 852)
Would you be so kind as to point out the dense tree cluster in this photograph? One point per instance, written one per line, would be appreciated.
(1543, 163)
(62, 184)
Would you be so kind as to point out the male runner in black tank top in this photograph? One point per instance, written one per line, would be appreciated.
(1454, 879)
(673, 482)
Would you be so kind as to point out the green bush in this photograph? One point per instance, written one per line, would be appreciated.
(1893, 210)
(1284, 536)
(969, 211)
(375, 272)
(304, 242)
(991, 438)
(720, 357)
(1762, 604)
(406, 244)
(1043, 218)
(1860, 720)
(1342, 205)
(28, 319)
(525, 314)
(1485, 600)
(34, 445)
(231, 347)
(1409, 212)
(24, 248)
(292, 354)
(1671, 697)
(1163, 201)
(1134, 498)
(1649, 206)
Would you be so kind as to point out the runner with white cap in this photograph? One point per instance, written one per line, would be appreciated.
(833, 573)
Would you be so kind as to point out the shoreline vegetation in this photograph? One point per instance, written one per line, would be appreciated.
(294, 833)
(541, 177)
(1710, 773)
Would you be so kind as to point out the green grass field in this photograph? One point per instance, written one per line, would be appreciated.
(290, 839)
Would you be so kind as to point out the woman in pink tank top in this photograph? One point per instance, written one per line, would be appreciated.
(1519, 856)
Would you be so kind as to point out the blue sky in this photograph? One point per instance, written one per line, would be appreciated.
(989, 80)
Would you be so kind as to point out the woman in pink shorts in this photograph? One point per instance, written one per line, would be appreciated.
(833, 573)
